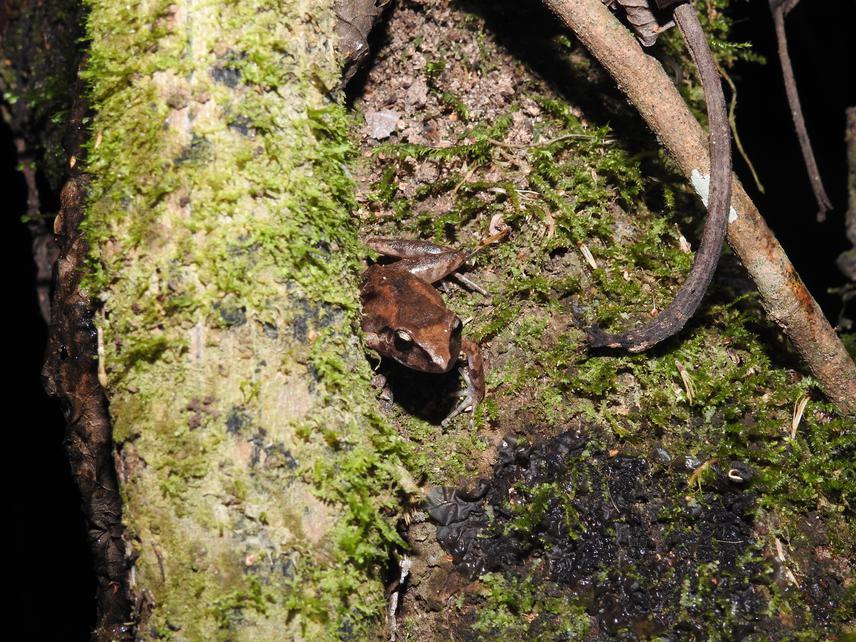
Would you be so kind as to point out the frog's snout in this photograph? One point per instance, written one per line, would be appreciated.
(444, 363)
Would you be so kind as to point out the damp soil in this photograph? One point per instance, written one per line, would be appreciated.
(625, 538)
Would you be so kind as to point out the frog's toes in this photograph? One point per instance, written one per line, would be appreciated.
(381, 382)
(468, 398)
(465, 405)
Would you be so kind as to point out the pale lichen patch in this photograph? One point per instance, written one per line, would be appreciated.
(701, 184)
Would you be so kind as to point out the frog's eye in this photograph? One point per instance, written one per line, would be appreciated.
(403, 338)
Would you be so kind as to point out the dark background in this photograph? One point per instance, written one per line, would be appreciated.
(52, 584)
(823, 53)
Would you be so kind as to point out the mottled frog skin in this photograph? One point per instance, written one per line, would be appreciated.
(405, 318)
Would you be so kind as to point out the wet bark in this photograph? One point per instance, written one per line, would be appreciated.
(70, 375)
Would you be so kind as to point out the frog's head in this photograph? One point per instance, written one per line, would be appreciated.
(427, 348)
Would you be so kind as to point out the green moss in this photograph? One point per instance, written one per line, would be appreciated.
(147, 349)
(529, 514)
(433, 68)
(519, 609)
(583, 189)
(454, 103)
(596, 376)
(443, 456)
(530, 331)
(500, 316)
(232, 605)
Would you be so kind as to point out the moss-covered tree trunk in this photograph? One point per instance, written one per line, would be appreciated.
(258, 483)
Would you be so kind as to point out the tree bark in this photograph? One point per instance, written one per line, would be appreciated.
(259, 485)
(70, 374)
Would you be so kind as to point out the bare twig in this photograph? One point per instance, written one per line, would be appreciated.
(732, 120)
(779, 8)
(783, 293)
(846, 261)
(850, 138)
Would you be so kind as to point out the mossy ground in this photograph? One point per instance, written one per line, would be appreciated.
(599, 224)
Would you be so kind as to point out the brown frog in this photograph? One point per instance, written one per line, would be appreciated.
(405, 318)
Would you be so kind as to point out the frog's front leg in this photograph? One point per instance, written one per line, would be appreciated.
(472, 372)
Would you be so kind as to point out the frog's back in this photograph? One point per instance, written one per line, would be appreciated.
(397, 299)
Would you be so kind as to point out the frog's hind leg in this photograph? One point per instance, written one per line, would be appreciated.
(406, 248)
(425, 260)
(433, 267)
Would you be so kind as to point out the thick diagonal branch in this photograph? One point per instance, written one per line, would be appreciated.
(783, 294)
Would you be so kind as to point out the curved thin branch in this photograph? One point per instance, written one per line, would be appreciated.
(783, 294)
(735, 134)
(688, 298)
